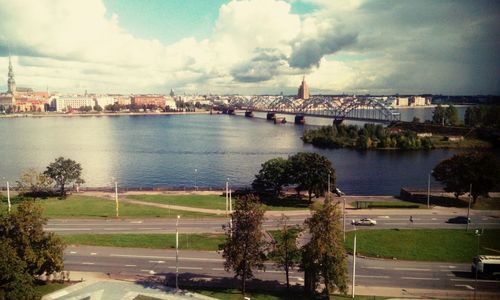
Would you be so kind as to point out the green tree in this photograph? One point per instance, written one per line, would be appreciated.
(451, 115)
(286, 254)
(63, 172)
(439, 115)
(15, 282)
(272, 177)
(310, 171)
(34, 184)
(244, 248)
(457, 173)
(41, 251)
(324, 256)
(97, 108)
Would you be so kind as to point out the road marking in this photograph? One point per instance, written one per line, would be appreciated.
(218, 269)
(72, 252)
(187, 268)
(412, 269)
(419, 278)
(451, 267)
(136, 222)
(157, 261)
(93, 253)
(168, 257)
(130, 265)
(433, 219)
(465, 286)
(62, 229)
(117, 228)
(383, 217)
(372, 276)
(471, 280)
(151, 228)
(376, 268)
(88, 263)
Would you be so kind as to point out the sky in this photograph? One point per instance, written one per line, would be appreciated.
(252, 46)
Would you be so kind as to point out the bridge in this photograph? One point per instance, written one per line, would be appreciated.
(367, 109)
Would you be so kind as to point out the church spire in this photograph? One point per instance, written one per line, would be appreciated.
(11, 82)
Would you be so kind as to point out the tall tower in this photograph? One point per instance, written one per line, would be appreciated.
(303, 90)
(11, 82)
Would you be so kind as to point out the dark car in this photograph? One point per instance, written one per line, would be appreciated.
(459, 220)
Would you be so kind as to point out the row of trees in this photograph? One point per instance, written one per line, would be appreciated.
(483, 116)
(304, 171)
(58, 174)
(445, 116)
(323, 259)
(369, 136)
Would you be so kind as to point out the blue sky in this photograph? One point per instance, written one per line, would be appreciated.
(253, 46)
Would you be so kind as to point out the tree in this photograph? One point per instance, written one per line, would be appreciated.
(310, 172)
(34, 184)
(64, 171)
(286, 254)
(97, 108)
(457, 173)
(273, 175)
(439, 115)
(41, 251)
(451, 115)
(15, 282)
(324, 256)
(245, 244)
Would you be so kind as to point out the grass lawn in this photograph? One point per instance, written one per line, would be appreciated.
(386, 204)
(484, 203)
(217, 201)
(47, 288)
(234, 294)
(93, 207)
(204, 242)
(439, 142)
(450, 245)
(200, 201)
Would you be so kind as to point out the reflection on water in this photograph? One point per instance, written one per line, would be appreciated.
(142, 151)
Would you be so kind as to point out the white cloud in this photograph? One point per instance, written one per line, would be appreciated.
(260, 46)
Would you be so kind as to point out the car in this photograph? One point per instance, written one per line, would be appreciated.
(459, 220)
(364, 221)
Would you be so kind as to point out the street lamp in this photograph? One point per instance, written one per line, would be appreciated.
(177, 254)
(227, 196)
(8, 195)
(196, 179)
(478, 234)
(429, 188)
(116, 197)
(354, 264)
(468, 208)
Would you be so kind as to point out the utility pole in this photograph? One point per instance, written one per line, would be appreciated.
(116, 199)
(8, 196)
(343, 218)
(429, 189)
(227, 196)
(177, 254)
(468, 208)
(354, 266)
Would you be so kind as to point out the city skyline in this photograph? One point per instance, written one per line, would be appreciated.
(252, 47)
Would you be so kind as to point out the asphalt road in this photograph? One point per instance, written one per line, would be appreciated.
(158, 225)
(195, 265)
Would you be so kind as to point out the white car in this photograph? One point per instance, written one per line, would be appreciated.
(364, 221)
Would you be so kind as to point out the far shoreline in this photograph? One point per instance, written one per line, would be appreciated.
(103, 114)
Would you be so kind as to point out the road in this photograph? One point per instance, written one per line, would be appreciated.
(158, 225)
(196, 265)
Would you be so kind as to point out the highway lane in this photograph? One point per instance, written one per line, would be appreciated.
(198, 265)
(159, 225)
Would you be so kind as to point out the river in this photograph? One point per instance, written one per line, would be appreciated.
(164, 151)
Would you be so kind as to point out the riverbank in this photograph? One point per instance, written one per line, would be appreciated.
(102, 114)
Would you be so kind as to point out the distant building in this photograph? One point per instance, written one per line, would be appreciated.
(7, 100)
(419, 101)
(140, 100)
(303, 90)
(104, 101)
(11, 82)
(68, 103)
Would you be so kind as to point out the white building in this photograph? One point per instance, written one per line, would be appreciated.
(67, 103)
(104, 101)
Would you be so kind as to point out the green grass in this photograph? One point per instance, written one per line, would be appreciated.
(446, 245)
(202, 242)
(199, 201)
(484, 203)
(48, 288)
(386, 204)
(94, 207)
(216, 201)
(234, 294)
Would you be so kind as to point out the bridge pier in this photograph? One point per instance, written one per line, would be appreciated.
(337, 121)
(300, 120)
(249, 114)
(271, 116)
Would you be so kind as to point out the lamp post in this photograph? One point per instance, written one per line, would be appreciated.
(195, 179)
(227, 196)
(8, 196)
(177, 254)
(354, 264)
(429, 188)
(468, 208)
(478, 234)
(116, 199)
